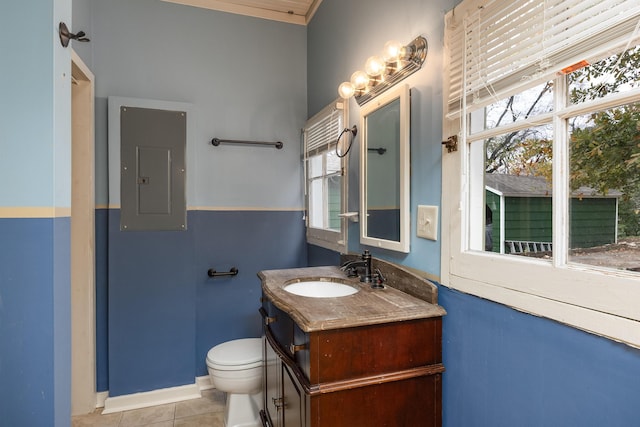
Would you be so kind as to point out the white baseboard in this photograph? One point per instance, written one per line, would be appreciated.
(204, 382)
(151, 398)
(101, 396)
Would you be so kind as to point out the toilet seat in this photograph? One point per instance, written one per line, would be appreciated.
(238, 354)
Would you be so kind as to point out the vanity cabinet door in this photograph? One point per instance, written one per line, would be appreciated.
(284, 398)
(271, 386)
(292, 399)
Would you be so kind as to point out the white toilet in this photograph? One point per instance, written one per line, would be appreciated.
(235, 367)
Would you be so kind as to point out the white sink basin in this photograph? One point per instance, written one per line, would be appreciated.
(320, 289)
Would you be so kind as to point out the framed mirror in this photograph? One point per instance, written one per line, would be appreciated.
(384, 171)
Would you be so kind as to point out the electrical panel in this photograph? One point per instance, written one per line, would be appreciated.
(153, 169)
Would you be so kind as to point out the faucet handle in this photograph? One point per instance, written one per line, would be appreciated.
(378, 280)
(351, 272)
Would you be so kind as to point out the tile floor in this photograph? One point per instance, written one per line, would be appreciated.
(205, 411)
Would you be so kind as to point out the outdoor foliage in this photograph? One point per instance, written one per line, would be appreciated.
(604, 146)
(523, 152)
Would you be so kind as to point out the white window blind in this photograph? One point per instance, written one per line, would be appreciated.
(497, 45)
(323, 129)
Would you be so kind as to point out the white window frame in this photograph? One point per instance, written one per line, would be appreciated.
(332, 118)
(602, 301)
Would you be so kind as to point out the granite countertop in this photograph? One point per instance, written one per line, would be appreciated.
(366, 307)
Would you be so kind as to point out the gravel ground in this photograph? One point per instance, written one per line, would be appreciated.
(624, 255)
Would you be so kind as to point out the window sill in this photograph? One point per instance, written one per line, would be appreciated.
(599, 302)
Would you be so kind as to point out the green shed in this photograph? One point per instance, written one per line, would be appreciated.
(519, 209)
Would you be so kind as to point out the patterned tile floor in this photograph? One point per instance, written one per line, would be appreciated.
(205, 411)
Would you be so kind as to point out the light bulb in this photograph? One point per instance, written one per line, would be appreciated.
(392, 51)
(374, 66)
(359, 80)
(346, 90)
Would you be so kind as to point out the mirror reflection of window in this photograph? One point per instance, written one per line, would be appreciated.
(383, 178)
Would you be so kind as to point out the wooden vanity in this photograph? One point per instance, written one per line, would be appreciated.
(373, 358)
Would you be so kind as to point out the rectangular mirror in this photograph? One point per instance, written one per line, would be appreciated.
(384, 171)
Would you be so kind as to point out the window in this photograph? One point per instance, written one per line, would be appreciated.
(543, 196)
(326, 178)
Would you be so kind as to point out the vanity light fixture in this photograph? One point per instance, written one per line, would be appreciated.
(381, 72)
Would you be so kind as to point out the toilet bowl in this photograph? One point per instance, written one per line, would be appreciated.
(235, 367)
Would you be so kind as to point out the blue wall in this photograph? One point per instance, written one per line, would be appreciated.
(251, 241)
(244, 78)
(34, 321)
(507, 368)
(165, 313)
(341, 36)
(102, 299)
(35, 125)
(504, 367)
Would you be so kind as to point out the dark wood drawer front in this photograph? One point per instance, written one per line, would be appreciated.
(410, 403)
(371, 350)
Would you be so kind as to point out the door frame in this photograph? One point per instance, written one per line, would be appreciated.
(83, 278)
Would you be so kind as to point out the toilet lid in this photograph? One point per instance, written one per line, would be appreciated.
(237, 352)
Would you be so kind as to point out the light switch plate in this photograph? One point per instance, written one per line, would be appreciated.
(427, 222)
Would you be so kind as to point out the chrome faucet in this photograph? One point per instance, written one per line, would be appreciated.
(365, 261)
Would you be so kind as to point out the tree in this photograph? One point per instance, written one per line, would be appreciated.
(605, 146)
(606, 155)
(605, 151)
(524, 151)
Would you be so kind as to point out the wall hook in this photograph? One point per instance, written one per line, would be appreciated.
(66, 35)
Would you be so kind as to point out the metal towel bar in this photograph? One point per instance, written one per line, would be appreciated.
(213, 273)
(217, 141)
